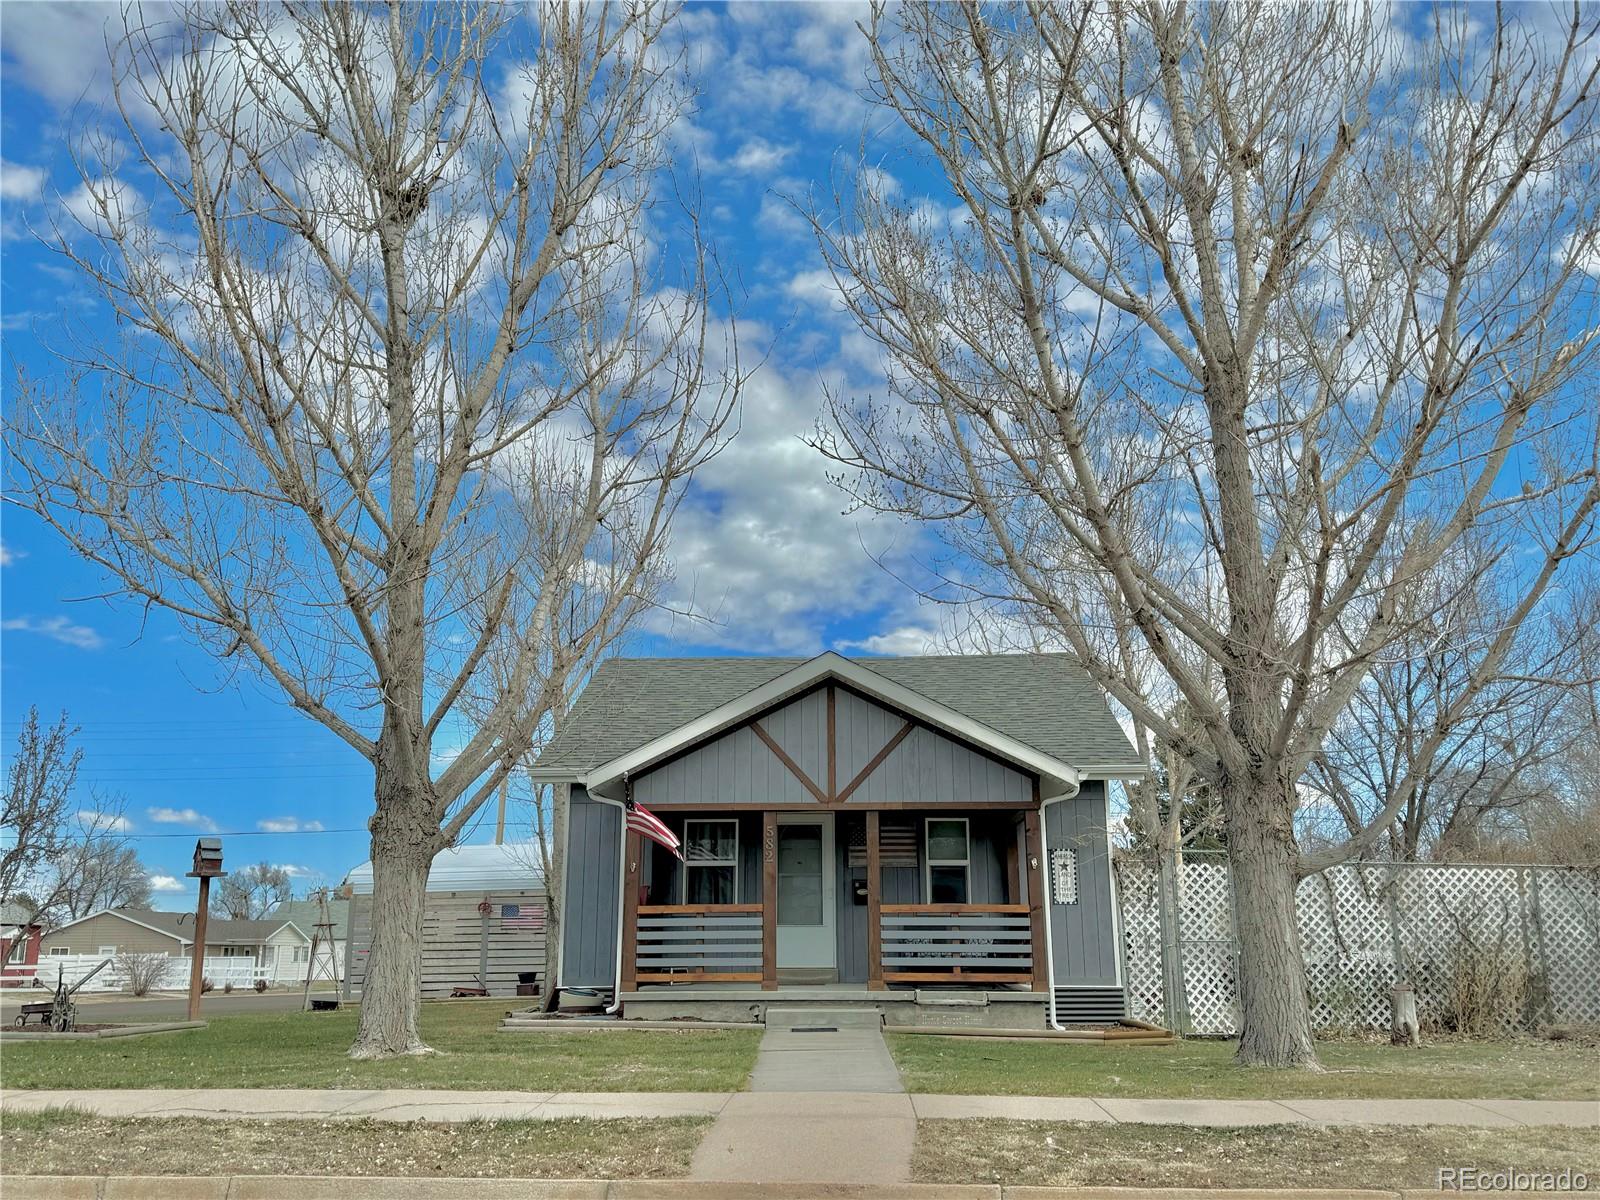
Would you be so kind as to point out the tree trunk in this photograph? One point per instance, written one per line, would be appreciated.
(404, 840)
(1274, 1017)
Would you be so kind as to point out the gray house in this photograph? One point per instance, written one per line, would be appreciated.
(927, 836)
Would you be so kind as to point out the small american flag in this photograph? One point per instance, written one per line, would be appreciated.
(521, 916)
(646, 824)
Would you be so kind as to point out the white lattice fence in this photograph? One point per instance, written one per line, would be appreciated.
(1363, 927)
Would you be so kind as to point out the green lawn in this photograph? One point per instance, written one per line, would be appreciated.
(69, 1143)
(308, 1050)
(1521, 1069)
(1069, 1154)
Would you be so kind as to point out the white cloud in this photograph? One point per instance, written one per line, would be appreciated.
(762, 551)
(758, 156)
(59, 50)
(182, 816)
(20, 182)
(58, 629)
(104, 822)
(816, 287)
(167, 883)
(288, 825)
(294, 871)
(9, 557)
(908, 639)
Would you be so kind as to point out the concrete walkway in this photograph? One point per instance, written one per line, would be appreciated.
(825, 1105)
(277, 1104)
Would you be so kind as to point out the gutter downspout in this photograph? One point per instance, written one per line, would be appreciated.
(1048, 883)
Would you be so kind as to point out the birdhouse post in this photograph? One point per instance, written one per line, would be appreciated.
(207, 866)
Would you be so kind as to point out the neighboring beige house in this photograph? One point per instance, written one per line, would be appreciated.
(150, 931)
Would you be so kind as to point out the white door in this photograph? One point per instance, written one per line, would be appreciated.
(806, 902)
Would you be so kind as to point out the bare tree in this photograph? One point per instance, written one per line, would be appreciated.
(97, 870)
(39, 812)
(1229, 323)
(1491, 751)
(403, 363)
(251, 893)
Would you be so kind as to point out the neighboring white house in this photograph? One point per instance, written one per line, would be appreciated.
(288, 951)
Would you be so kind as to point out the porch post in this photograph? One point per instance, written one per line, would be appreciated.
(1037, 913)
(874, 906)
(769, 901)
(629, 933)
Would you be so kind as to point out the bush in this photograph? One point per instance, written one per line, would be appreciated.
(143, 973)
(1487, 987)
(206, 985)
(260, 985)
(227, 988)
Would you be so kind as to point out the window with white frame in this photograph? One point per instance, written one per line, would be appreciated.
(302, 954)
(949, 860)
(711, 862)
(19, 949)
(59, 951)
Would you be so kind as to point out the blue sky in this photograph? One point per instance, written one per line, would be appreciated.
(762, 546)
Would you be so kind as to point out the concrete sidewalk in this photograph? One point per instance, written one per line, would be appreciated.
(402, 1104)
(826, 1105)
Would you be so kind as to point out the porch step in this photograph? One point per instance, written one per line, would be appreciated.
(866, 1017)
(927, 998)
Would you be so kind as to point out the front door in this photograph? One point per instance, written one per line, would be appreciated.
(806, 904)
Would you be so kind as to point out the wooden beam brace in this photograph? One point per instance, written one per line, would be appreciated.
(794, 767)
(877, 761)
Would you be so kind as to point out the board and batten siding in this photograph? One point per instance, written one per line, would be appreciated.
(1083, 934)
(460, 945)
(926, 768)
(593, 885)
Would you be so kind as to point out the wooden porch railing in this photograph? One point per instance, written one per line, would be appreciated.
(957, 943)
(698, 943)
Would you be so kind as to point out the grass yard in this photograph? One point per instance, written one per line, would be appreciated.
(1069, 1154)
(1521, 1069)
(68, 1143)
(308, 1050)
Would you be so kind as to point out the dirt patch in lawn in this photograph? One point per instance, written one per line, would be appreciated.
(62, 1142)
(1071, 1154)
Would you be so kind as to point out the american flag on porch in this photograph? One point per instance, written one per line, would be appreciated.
(646, 824)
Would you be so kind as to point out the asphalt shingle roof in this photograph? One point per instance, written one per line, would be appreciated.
(218, 930)
(305, 915)
(1046, 701)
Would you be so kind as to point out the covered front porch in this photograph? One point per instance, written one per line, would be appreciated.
(932, 916)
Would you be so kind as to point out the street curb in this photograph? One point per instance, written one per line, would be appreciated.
(123, 1031)
(301, 1187)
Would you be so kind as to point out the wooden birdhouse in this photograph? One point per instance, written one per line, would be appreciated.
(207, 858)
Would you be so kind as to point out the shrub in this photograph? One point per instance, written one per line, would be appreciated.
(206, 985)
(1486, 986)
(143, 973)
(227, 988)
(260, 985)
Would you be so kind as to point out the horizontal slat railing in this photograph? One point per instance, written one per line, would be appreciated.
(698, 943)
(957, 943)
